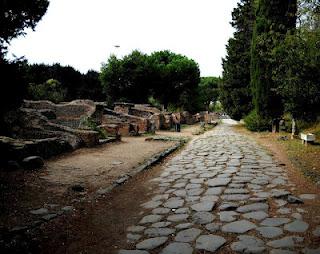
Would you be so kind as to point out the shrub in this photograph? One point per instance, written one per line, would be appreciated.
(254, 122)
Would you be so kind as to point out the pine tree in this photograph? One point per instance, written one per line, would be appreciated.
(235, 93)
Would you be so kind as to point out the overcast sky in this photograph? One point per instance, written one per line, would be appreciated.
(83, 33)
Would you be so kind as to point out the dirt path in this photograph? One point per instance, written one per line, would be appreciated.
(99, 167)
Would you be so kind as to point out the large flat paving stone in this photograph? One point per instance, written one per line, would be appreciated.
(285, 242)
(239, 227)
(248, 244)
(154, 232)
(274, 222)
(151, 243)
(235, 197)
(177, 248)
(257, 215)
(210, 242)
(188, 235)
(177, 217)
(150, 219)
(218, 182)
(203, 217)
(176, 203)
(297, 226)
(270, 232)
(203, 206)
(253, 207)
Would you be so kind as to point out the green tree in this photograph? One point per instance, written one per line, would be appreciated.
(235, 94)
(174, 79)
(208, 92)
(16, 15)
(169, 78)
(297, 75)
(126, 79)
(273, 20)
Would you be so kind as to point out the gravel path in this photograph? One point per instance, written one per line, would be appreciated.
(223, 194)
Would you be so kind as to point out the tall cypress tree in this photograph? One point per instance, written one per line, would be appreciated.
(274, 18)
(235, 94)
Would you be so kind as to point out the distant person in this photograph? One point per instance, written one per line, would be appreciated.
(176, 120)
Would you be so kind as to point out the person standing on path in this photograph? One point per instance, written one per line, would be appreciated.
(176, 120)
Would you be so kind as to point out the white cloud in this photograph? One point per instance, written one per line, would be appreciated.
(82, 33)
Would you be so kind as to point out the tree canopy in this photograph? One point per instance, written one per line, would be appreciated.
(235, 93)
(16, 15)
(170, 78)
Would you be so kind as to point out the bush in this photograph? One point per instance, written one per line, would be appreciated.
(254, 122)
(50, 90)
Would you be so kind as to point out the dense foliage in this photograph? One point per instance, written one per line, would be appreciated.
(208, 92)
(75, 84)
(170, 78)
(273, 20)
(235, 94)
(16, 15)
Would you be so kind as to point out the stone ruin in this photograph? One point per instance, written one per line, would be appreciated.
(46, 129)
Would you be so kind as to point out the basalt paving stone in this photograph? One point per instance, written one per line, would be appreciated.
(253, 207)
(235, 197)
(178, 217)
(209, 198)
(236, 191)
(203, 206)
(274, 222)
(258, 215)
(297, 226)
(248, 244)
(184, 225)
(161, 224)
(239, 227)
(194, 192)
(152, 204)
(228, 216)
(270, 232)
(174, 203)
(214, 191)
(285, 242)
(152, 243)
(218, 182)
(153, 232)
(182, 210)
(177, 248)
(150, 219)
(161, 210)
(210, 242)
(133, 237)
(188, 235)
(228, 206)
(203, 217)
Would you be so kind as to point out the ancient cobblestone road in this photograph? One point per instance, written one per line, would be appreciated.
(223, 193)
